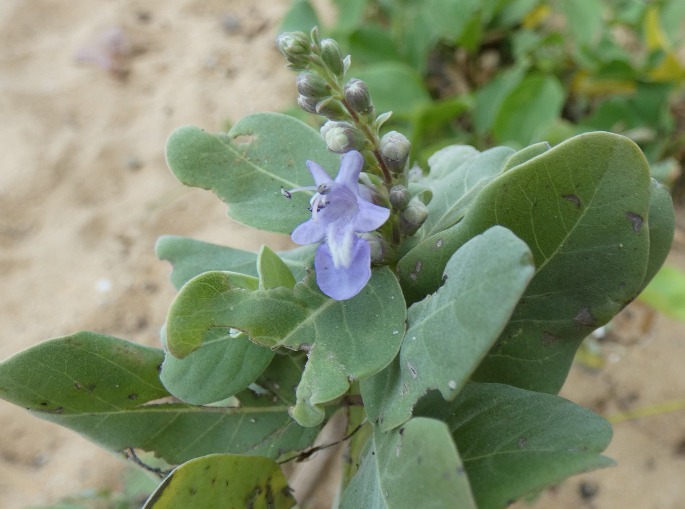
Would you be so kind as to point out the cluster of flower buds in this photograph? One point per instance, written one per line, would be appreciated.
(321, 90)
(352, 125)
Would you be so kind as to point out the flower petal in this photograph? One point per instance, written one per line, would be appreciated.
(370, 217)
(320, 175)
(351, 164)
(309, 232)
(340, 239)
(343, 283)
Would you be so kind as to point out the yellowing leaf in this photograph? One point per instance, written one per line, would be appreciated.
(655, 38)
(670, 69)
(535, 17)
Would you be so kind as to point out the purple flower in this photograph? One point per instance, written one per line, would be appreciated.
(343, 260)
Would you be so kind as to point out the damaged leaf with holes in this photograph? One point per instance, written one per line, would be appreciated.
(247, 167)
(221, 481)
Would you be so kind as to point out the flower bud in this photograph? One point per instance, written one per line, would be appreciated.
(332, 109)
(399, 197)
(295, 48)
(413, 217)
(332, 56)
(378, 245)
(357, 96)
(395, 151)
(342, 137)
(310, 84)
(308, 104)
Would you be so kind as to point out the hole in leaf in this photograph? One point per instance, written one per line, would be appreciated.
(635, 220)
(244, 139)
(573, 199)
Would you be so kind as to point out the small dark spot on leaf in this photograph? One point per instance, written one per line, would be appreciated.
(159, 367)
(635, 220)
(522, 442)
(588, 490)
(44, 403)
(585, 317)
(402, 429)
(419, 459)
(91, 387)
(412, 370)
(226, 482)
(133, 396)
(192, 491)
(573, 198)
(78, 386)
(206, 467)
(213, 480)
(549, 339)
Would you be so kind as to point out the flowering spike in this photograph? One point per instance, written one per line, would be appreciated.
(339, 214)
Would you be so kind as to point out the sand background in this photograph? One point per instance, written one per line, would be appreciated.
(89, 92)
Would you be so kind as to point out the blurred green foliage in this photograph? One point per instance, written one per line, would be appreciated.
(515, 72)
(137, 486)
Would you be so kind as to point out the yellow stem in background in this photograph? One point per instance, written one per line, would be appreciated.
(647, 411)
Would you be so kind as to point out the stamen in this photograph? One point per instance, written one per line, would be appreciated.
(323, 189)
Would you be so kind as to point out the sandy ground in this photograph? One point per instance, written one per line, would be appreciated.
(89, 92)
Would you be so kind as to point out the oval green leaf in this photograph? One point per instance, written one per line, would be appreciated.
(414, 466)
(108, 390)
(515, 442)
(450, 331)
(247, 167)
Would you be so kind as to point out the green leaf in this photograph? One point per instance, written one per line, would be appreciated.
(529, 110)
(301, 17)
(220, 368)
(515, 442)
(453, 193)
(448, 18)
(581, 207)
(661, 228)
(416, 465)
(382, 80)
(584, 18)
(450, 331)
(371, 45)
(350, 14)
(248, 166)
(346, 340)
(224, 481)
(526, 154)
(273, 272)
(191, 258)
(666, 292)
(108, 390)
(489, 99)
